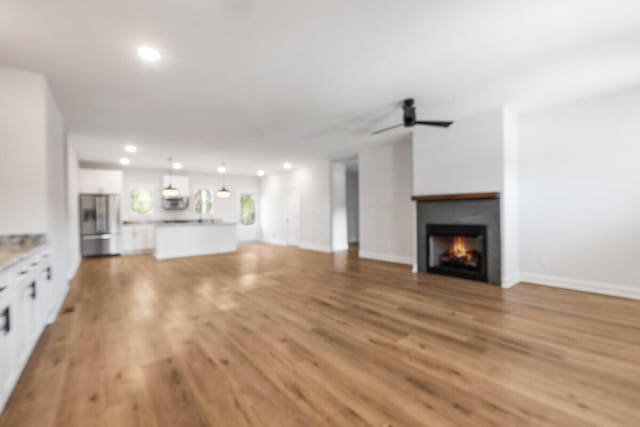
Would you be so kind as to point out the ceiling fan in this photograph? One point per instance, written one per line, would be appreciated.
(409, 118)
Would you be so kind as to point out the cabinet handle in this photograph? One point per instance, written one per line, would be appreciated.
(33, 290)
(3, 288)
(48, 273)
(6, 314)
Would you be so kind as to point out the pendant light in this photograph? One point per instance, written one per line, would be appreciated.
(170, 192)
(223, 193)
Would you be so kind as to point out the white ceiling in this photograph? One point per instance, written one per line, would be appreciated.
(254, 82)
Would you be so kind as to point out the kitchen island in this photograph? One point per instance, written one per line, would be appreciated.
(194, 238)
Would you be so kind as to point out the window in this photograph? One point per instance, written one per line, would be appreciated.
(247, 209)
(141, 200)
(203, 201)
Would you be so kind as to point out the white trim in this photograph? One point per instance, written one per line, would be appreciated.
(137, 252)
(315, 247)
(398, 259)
(341, 248)
(510, 281)
(275, 242)
(617, 290)
(74, 270)
(414, 267)
(56, 311)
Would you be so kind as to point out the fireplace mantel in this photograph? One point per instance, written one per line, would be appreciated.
(460, 196)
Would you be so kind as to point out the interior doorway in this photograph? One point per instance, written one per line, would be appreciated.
(345, 213)
(353, 203)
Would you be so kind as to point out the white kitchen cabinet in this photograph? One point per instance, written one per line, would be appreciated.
(26, 323)
(138, 238)
(7, 348)
(46, 295)
(99, 181)
(26, 302)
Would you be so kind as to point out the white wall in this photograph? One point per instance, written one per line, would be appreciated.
(23, 138)
(464, 158)
(312, 181)
(72, 210)
(99, 181)
(580, 194)
(476, 154)
(339, 239)
(224, 209)
(509, 203)
(56, 189)
(273, 216)
(353, 213)
(33, 175)
(387, 214)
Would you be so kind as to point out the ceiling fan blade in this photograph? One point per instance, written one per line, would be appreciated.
(387, 129)
(434, 123)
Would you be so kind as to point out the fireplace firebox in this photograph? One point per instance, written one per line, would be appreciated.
(457, 250)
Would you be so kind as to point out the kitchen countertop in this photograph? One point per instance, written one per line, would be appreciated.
(178, 222)
(14, 249)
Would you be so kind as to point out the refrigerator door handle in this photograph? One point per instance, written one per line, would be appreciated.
(97, 237)
(102, 214)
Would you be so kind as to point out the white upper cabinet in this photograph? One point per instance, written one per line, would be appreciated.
(99, 181)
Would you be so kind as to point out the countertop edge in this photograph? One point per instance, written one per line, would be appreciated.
(19, 257)
(196, 224)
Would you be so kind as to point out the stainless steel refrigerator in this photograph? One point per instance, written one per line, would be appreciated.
(100, 224)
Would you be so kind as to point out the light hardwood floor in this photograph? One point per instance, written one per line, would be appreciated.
(274, 336)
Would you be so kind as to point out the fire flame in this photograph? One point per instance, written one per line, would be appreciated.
(459, 248)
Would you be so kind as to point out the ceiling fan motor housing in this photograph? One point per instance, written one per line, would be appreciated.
(409, 112)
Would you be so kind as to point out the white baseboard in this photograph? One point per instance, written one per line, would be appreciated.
(74, 269)
(315, 247)
(58, 305)
(275, 242)
(398, 259)
(582, 285)
(510, 281)
(138, 252)
(414, 267)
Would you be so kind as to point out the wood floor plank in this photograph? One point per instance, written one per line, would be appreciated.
(276, 336)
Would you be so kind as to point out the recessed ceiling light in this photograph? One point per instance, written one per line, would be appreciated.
(149, 53)
(222, 169)
(130, 148)
(177, 166)
(124, 161)
(287, 166)
(260, 172)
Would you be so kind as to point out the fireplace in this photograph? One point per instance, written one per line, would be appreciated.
(458, 250)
